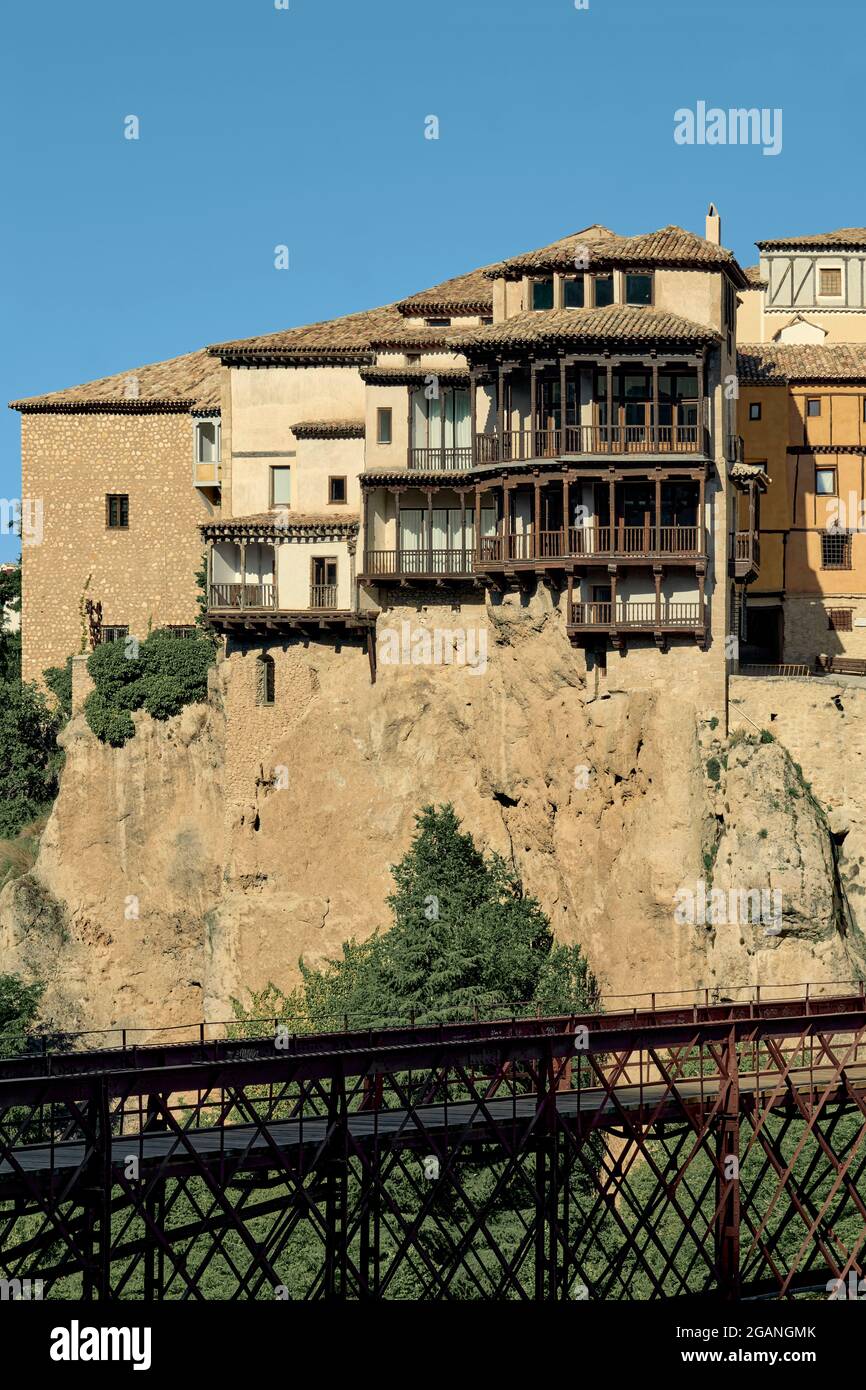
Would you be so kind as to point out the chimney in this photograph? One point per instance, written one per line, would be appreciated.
(714, 225)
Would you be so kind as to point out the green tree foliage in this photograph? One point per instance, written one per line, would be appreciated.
(59, 682)
(161, 676)
(29, 758)
(10, 642)
(466, 941)
(18, 1007)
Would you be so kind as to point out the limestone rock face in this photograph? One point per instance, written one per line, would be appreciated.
(253, 835)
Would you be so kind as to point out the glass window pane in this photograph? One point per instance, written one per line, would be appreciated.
(825, 480)
(282, 484)
(638, 289)
(573, 293)
(542, 294)
(603, 290)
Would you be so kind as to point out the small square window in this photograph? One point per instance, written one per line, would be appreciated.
(638, 288)
(281, 486)
(383, 425)
(825, 482)
(486, 318)
(840, 619)
(336, 489)
(836, 550)
(754, 410)
(114, 632)
(117, 511)
(542, 294)
(438, 323)
(573, 293)
(603, 291)
(813, 407)
(830, 282)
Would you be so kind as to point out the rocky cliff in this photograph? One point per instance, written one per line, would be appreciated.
(206, 856)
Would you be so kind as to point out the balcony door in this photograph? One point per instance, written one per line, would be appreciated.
(679, 411)
(443, 421)
(323, 582)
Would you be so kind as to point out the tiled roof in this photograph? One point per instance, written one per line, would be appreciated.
(624, 322)
(350, 336)
(191, 382)
(669, 246)
(329, 429)
(282, 521)
(753, 275)
(771, 364)
(408, 376)
(464, 294)
(844, 236)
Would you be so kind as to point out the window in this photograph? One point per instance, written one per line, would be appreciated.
(573, 293)
(754, 410)
(265, 679)
(813, 407)
(542, 294)
(603, 291)
(323, 582)
(486, 318)
(117, 510)
(840, 619)
(836, 550)
(179, 630)
(281, 486)
(825, 482)
(438, 323)
(336, 489)
(114, 632)
(207, 441)
(383, 425)
(638, 288)
(830, 282)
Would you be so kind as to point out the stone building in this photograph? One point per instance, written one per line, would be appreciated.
(558, 420)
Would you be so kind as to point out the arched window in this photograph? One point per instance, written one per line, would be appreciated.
(265, 674)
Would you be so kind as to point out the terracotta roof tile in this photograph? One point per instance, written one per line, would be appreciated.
(669, 246)
(753, 275)
(189, 382)
(844, 236)
(624, 322)
(464, 294)
(778, 363)
(329, 429)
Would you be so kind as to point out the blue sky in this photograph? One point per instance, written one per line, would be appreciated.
(305, 127)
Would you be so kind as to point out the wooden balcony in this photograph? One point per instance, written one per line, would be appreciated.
(242, 596)
(649, 617)
(745, 558)
(426, 563)
(442, 460)
(526, 445)
(323, 596)
(591, 543)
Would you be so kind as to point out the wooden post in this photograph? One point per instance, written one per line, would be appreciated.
(655, 408)
(702, 531)
(533, 409)
(500, 409)
(477, 546)
(463, 530)
(609, 371)
(399, 555)
(243, 550)
(657, 576)
(536, 539)
(702, 407)
(566, 519)
(473, 416)
(612, 507)
(429, 492)
(563, 412)
(658, 538)
(569, 617)
(506, 521)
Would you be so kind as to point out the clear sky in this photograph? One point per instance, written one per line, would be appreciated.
(305, 127)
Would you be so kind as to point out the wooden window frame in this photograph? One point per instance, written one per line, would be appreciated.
(645, 274)
(813, 414)
(827, 468)
(384, 412)
(325, 559)
(830, 294)
(116, 497)
(755, 406)
(338, 501)
(542, 280)
(271, 471)
(603, 275)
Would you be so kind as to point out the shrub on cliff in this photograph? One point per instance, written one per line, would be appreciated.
(59, 682)
(18, 1006)
(160, 675)
(29, 758)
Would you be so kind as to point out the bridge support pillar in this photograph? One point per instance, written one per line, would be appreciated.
(727, 1223)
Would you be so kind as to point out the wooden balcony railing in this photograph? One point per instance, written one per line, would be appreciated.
(243, 596)
(385, 563)
(442, 460)
(642, 615)
(608, 542)
(525, 444)
(745, 553)
(323, 595)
